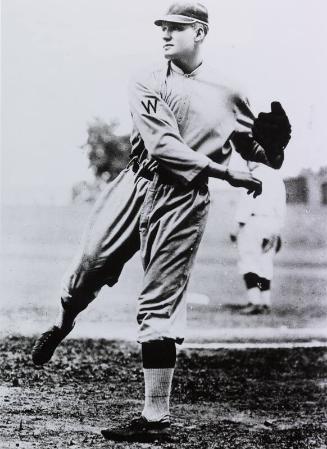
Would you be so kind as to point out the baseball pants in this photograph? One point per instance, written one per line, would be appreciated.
(252, 258)
(165, 222)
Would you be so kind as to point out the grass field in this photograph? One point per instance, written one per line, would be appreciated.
(38, 243)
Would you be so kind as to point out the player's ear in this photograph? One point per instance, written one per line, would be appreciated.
(199, 34)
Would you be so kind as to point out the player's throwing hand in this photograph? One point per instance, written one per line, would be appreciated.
(246, 180)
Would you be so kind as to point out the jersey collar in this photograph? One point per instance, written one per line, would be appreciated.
(176, 69)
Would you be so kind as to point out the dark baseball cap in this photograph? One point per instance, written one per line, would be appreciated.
(187, 13)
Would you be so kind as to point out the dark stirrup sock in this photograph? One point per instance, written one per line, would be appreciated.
(251, 280)
(159, 354)
(264, 284)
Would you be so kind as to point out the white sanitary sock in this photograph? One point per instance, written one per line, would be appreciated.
(157, 393)
(265, 298)
(254, 295)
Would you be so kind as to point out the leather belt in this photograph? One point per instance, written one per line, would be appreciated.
(165, 177)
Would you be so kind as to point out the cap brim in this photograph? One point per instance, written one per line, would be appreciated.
(175, 18)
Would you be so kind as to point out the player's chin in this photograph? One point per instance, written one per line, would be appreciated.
(168, 55)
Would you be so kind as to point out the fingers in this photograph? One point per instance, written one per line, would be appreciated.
(258, 187)
(263, 115)
(255, 191)
(277, 114)
(277, 108)
(254, 187)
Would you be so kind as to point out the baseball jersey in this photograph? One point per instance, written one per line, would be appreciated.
(181, 120)
(270, 205)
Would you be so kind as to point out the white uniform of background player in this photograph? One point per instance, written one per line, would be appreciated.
(258, 225)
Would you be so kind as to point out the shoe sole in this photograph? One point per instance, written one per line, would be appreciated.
(42, 361)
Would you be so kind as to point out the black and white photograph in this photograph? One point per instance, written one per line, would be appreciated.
(163, 264)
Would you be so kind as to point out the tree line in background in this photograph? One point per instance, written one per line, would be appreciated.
(108, 155)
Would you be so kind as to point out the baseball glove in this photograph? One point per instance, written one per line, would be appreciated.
(272, 130)
(268, 243)
(278, 244)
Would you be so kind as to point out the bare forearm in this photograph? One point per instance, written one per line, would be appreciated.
(235, 178)
(218, 171)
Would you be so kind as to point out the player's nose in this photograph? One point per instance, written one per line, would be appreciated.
(166, 35)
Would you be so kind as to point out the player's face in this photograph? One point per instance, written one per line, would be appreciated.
(178, 40)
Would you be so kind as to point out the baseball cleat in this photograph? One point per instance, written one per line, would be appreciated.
(45, 345)
(255, 309)
(139, 430)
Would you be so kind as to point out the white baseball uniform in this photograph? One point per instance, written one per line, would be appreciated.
(263, 218)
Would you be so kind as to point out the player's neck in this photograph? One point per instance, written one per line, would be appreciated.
(189, 63)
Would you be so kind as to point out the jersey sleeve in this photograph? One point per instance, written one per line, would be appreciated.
(241, 138)
(158, 128)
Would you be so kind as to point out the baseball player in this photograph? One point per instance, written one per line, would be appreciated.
(258, 225)
(185, 124)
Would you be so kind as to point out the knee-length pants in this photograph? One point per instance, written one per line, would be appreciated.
(252, 257)
(165, 222)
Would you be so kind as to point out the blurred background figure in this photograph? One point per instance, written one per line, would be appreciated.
(257, 232)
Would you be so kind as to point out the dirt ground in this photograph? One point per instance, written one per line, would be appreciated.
(244, 399)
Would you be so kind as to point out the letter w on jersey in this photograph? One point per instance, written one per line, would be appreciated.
(152, 104)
